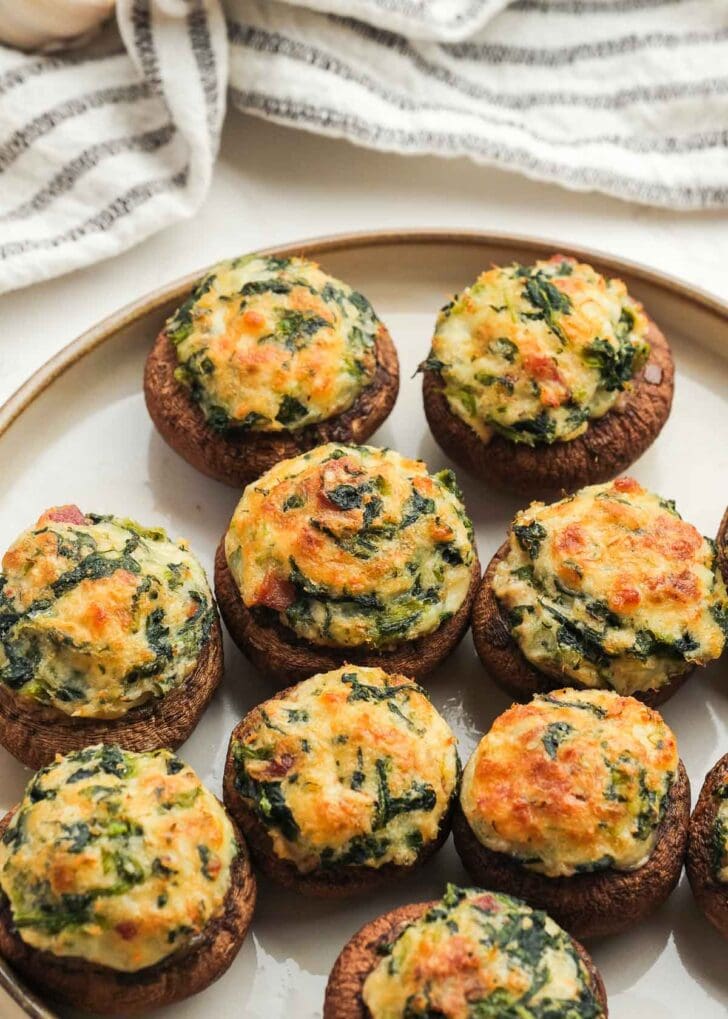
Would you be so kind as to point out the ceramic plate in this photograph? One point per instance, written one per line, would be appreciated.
(79, 432)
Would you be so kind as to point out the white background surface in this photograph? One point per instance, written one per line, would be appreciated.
(274, 185)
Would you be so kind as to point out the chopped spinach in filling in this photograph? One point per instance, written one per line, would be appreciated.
(98, 614)
(533, 353)
(481, 955)
(273, 344)
(352, 767)
(351, 545)
(611, 588)
(576, 781)
(116, 857)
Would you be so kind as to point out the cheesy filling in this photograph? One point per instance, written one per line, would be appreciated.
(352, 767)
(98, 614)
(115, 857)
(273, 344)
(533, 353)
(574, 781)
(481, 954)
(719, 846)
(611, 588)
(352, 546)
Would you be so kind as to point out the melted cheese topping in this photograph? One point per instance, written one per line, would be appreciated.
(350, 767)
(611, 588)
(273, 344)
(719, 843)
(352, 546)
(479, 954)
(575, 781)
(99, 614)
(115, 857)
(534, 352)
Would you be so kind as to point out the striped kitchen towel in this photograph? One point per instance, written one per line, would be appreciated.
(104, 145)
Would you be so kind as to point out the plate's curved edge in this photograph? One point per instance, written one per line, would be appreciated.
(88, 341)
(24, 998)
(99, 334)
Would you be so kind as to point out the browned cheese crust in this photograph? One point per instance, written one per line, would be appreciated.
(35, 733)
(331, 883)
(710, 895)
(589, 905)
(509, 668)
(281, 656)
(86, 985)
(361, 953)
(608, 446)
(722, 543)
(239, 459)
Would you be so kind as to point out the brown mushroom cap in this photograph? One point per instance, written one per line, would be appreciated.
(284, 658)
(332, 882)
(506, 664)
(589, 905)
(101, 989)
(722, 543)
(35, 733)
(607, 447)
(361, 954)
(239, 459)
(711, 895)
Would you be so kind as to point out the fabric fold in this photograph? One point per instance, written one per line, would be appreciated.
(102, 146)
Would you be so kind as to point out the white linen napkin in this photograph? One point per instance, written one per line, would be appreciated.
(103, 146)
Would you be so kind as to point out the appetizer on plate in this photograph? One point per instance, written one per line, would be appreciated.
(473, 954)
(578, 803)
(546, 377)
(342, 782)
(607, 588)
(108, 632)
(347, 554)
(268, 357)
(124, 885)
(707, 857)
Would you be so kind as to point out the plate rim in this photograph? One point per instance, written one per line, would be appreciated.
(103, 331)
(47, 373)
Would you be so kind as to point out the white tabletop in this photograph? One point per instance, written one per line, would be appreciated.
(273, 185)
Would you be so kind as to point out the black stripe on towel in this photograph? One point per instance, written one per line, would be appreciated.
(277, 44)
(22, 139)
(333, 122)
(67, 177)
(101, 221)
(614, 100)
(559, 56)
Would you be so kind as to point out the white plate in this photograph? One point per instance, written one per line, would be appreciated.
(82, 435)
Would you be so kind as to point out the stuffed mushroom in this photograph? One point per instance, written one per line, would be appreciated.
(347, 554)
(473, 954)
(707, 858)
(578, 803)
(108, 631)
(342, 782)
(268, 357)
(608, 588)
(124, 885)
(546, 377)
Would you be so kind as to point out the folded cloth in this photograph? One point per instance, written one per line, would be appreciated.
(105, 145)
(629, 97)
(101, 147)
